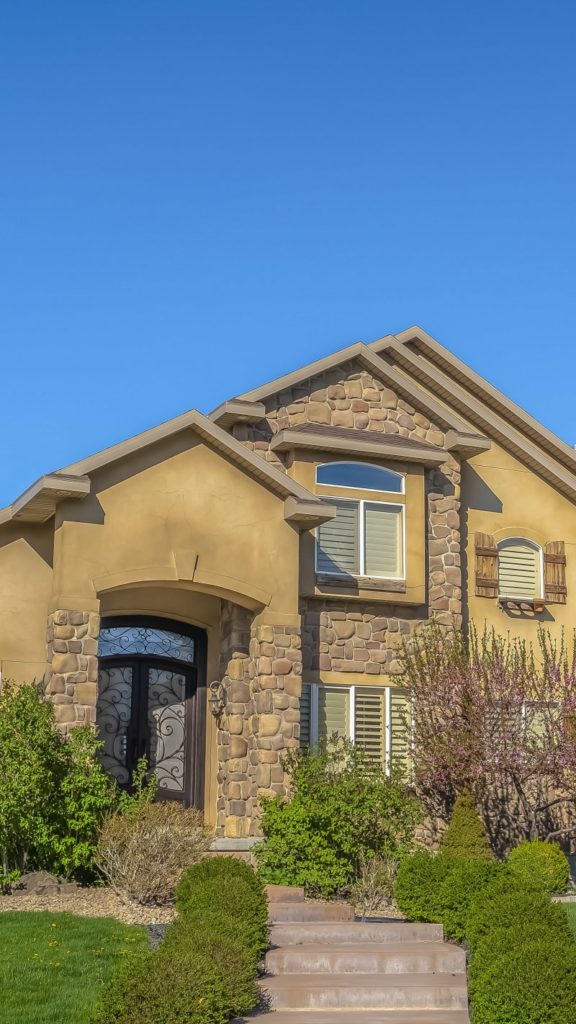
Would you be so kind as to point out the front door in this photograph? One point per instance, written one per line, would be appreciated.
(151, 703)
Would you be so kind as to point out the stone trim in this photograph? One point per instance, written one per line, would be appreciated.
(72, 678)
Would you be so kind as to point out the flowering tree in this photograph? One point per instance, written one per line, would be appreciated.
(495, 718)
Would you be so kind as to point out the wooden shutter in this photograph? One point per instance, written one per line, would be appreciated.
(305, 707)
(400, 732)
(486, 566)
(555, 572)
(333, 712)
(382, 540)
(519, 569)
(337, 545)
(370, 722)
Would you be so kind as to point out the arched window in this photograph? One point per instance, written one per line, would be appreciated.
(361, 475)
(519, 569)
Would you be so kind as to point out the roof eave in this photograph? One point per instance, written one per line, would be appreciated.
(287, 440)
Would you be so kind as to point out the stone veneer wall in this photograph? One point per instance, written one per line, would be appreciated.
(356, 637)
(72, 678)
(261, 669)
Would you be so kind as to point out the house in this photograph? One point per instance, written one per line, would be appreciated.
(219, 588)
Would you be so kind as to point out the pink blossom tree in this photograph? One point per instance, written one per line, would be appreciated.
(496, 718)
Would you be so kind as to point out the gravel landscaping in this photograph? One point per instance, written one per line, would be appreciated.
(89, 901)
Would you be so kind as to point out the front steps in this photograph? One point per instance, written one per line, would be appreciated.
(324, 967)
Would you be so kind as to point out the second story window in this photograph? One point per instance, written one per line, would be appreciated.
(366, 538)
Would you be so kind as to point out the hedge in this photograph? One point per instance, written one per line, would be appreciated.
(206, 967)
(534, 983)
(544, 861)
(418, 882)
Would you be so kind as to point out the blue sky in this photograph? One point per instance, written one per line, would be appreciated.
(199, 196)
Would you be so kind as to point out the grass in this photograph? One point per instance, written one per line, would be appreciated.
(53, 967)
(570, 909)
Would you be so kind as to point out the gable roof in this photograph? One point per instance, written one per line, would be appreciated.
(38, 502)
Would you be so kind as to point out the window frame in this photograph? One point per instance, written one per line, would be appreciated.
(526, 598)
(355, 487)
(362, 574)
(351, 692)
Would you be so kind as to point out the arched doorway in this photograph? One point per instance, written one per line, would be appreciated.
(152, 702)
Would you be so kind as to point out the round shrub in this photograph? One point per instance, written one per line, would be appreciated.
(184, 987)
(228, 951)
(460, 886)
(532, 984)
(220, 892)
(466, 836)
(506, 902)
(544, 860)
(500, 941)
(418, 882)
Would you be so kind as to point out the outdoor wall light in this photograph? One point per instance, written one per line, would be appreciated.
(217, 698)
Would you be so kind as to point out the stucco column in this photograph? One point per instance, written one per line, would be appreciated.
(72, 677)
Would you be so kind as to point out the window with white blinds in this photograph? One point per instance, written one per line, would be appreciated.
(519, 569)
(366, 538)
(376, 718)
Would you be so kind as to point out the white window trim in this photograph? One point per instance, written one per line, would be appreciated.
(537, 547)
(354, 487)
(351, 691)
(361, 502)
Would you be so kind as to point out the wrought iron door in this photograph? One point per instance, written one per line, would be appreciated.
(149, 706)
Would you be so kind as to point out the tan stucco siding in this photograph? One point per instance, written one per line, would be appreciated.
(25, 586)
(187, 516)
(504, 498)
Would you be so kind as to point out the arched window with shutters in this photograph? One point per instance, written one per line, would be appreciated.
(520, 569)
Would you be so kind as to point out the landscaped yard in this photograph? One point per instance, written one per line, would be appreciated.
(571, 913)
(54, 966)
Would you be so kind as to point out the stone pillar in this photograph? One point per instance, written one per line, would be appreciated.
(444, 540)
(72, 678)
(261, 668)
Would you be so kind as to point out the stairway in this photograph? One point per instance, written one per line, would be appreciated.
(324, 967)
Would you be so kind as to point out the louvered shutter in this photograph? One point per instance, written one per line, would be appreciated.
(555, 589)
(486, 565)
(400, 732)
(333, 712)
(519, 569)
(370, 722)
(382, 540)
(305, 708)
(337, 544)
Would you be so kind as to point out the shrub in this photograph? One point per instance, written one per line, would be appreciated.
(507, 902)
(374, 886)
(418, 883)
(343, 808)
(459, 887)
(231, 953)
(143, 849)
(220, 892)
(534, 983)
(53, 793)
(466, 836)
(500, 941)
(543, 860)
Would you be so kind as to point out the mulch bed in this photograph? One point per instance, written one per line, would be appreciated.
(90, 901)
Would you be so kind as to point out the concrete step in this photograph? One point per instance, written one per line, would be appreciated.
(313, 911)
(368, 958)
(284, 894)
(349, 933)
(366, 992)
(362, 1017)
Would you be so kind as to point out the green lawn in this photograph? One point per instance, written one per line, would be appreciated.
(570, 909)
(54, 966)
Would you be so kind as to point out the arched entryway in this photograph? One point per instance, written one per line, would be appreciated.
(152, 702)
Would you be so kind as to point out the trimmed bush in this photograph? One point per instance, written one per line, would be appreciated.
(508, 902)
(205, 970)
(418, 883)
(465, 836)
(500, 941)
(460, 887)
(143, 849)
(532, 984)
(221, 892)
(342, 809)
(543, 860)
